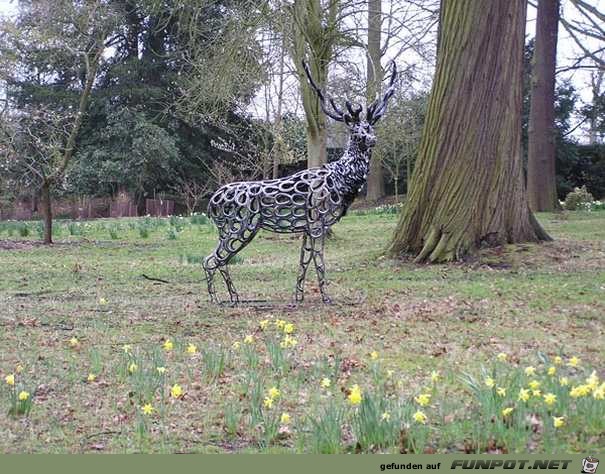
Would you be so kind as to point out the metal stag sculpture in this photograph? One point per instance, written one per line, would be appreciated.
(308, 202)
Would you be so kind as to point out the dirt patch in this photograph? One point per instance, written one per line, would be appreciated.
(30, 244)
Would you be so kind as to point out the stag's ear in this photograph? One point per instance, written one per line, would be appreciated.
(349, 121)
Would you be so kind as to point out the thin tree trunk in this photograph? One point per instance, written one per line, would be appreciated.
(467, 188)
(375, 187)
(316, 149)
(596, 81)
(541, 178)
(280, 100)
(47, 213)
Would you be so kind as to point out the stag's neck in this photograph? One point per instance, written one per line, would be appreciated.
(353, 168)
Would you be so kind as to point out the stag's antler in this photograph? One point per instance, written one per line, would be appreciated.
(379, 106)
(353, 109)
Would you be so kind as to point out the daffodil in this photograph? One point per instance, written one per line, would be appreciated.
(191, 349)
(91, 377)
(274, 392)
(147, 409)
(10, 379)
(579, 391)
(529, 371)
(573, 362)
(161, 370)
(168, 345)
(593, 380)
(325, 382)
(386, 416)
(268, 402)
(524, 394)
(435, 376)
(558, 360)
(490, 382)
(423, 399)
(534, 385)
(550, 399)
(23, 395)
(599, 392)
(552, 370)
(127, 348)
(236, 345)
(176, 391)
(507, 411)
(564, 381)
(102, 301)
(285, 418)
(355, 397)
(73, 342)
(373, 355)
(263, 324)
(280, 323)
(501, 391)
(288, 328)
(249, 339)
(288, 341)
(19, 368)
(132, 368)
(536, 393)
(558, 421)
(502, 357)
(420, 417)
(390, 373)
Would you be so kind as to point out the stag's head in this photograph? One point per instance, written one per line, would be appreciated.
(361, 127)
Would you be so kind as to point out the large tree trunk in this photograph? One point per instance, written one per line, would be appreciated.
(375, 189)
(47, 213)
(467, 189)
(541, 180)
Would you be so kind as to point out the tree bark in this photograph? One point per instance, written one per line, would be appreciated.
(375, 187)
(47, 213)
(467, 188)
(541, 152)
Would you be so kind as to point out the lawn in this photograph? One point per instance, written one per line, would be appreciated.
(410, 358)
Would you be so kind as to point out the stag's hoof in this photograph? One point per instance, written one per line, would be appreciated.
(326, 299)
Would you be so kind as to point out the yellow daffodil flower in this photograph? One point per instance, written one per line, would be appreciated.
(579, 391)
(564, 381)
(288, 328)
(529, 371)
(552, 370)
(502, 357)
(263, 324)
(274, 392)
(558, 421)
(423, 399)
(558, 360)
(420, 417)
(501, 391)
(268, 402)
(573, 362)
(507, 411)
(23, 395)
(386, 416)
(161, 370)
(102, 301)
(550, 399)
(176, 391)
(10, 379)
(147, 409)
(73, 342)
(249, 339)
(490, 382)
(325, 382)
(593, 380)
(168, 345)
(236, 345)
(91, 377)
(373, 355)
(599, 392)
(127, 348)
(191, 349)
(355, 397)
(524, 394)
(279, 323)
(285, 418)
(435, 376)
(132, 368)
(534, 385)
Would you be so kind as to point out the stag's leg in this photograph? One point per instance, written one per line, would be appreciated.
(320, 268)
(211, 264)
(306, 254)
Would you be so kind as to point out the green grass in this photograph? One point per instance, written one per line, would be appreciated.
(532, 302)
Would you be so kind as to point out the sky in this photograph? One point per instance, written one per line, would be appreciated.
(566, 50)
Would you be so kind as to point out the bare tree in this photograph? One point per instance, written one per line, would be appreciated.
(83, 31)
